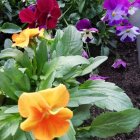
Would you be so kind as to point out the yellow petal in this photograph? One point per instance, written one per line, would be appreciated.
(33, 32)
(56, 97)
(21, 40)
(27, 101)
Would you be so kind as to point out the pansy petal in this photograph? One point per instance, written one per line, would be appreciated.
(56, 97)
(45, 5)
(83, 24)
(55, 126)
(93, 30)
(27, 16)
(34, 118)
(21, 40)
(27, 101)
(33, 32)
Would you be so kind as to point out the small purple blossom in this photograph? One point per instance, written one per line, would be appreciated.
(127, 33)
(85, 27)
(97, 77)
(84, 54)
(116, 16)
(112, 4)
(118, 63)
(116, 11)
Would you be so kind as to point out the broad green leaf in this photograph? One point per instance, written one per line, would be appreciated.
(13, 81)
(47, 82)
(70, 135)
(68, 44)
(41, 56)
(13, 109)
(9, 124)
(102, 94)
(18, 79)
(80, 114)
(7, 43)
(10, 52)
(63, 64)
(95, 62)
(10, 28)
(20, 57)
(5, 86)
(112, 123)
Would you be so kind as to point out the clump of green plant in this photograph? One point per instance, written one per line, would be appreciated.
(47, 62)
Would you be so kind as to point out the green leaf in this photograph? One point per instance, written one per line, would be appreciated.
(94, 63)
(20, 57)
(105, 51)
(63, 64)
(9, 124)
(10, 28)
(81, 5)
(13, 109)
(13, 81)
(112, 123)
(41, 55)
(47, 83)
(7, 43)
(68, 44)
(101, 26)
(102, 94)
(80, 114)
(70, 135)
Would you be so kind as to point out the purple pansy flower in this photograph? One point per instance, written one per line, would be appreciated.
(128, 33)
(85, 27)
(118, 63)
(84, 54)
(97, 77)
(116, 11)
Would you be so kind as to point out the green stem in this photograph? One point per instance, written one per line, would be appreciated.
(65, 12)
(87, 49)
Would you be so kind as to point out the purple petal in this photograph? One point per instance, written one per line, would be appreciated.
(88, 39)
(84, 54)
(128, 39)
(97, 77)
(112, 4)
(93, 30)
(83, 24)
(118, 63)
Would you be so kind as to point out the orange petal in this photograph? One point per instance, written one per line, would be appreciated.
(54, 126)
(34, 118)
(21, 40)
(56, 97)
(27, 101)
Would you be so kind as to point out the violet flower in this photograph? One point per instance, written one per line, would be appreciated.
(84, 54)
(97, 77)
(127, 33)
(116, 11)
(118, 63)
(85, 27)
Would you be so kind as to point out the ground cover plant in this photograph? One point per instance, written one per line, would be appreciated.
(49, 78)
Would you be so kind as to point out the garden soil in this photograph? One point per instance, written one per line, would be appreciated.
(128, 79)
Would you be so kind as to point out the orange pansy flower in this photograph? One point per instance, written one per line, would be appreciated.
(22, 39)
(45, 111)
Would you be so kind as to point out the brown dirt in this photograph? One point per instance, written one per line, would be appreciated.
(128, 79)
